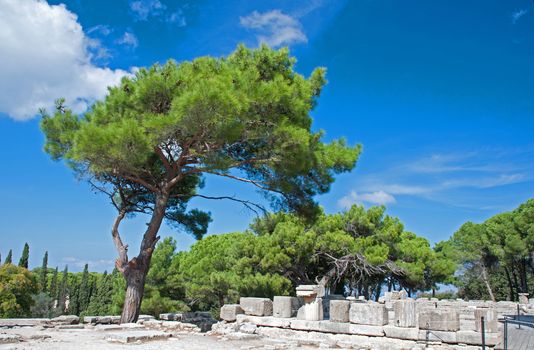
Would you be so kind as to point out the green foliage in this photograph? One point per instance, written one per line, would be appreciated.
(9, 258)
(63, 291)
(23, 262)
(42, 306)
(17, 285)
(53, 291)
(495, 257)
(43, 280)
(85, 289)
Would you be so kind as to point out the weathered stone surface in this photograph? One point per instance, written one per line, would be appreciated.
(248, 328)
(230, 311)
(404, 313)
(310, 290)
(491, 323)
(137, 336)
(10, 338)
(285, 307)
(401, 333)
(374, 314)
(339, 310)
(90, 319)
(370, 330)
(257, 306)
(439, 319)
(23, 322)
(475, 338)
(441, 336)
(265, 321)
(523, 298)
(321, 326)
(70, 326)
(142, 318)
(311, 311)
(326, 303)
(65, 319)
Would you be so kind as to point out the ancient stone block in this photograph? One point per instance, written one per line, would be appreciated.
(339, 310)
(371, 313)
(441, 336)
(137, 336)
(475, 338)
(439, 319)
(326, 303)
(311, 311)
(491, 323)
(404, 313)
(368, 330)
(285, 307)
(257, 306)
(230, 311)
(65, 319)
(265, 321)
(401, 333)
(310, 290)
(523, 298)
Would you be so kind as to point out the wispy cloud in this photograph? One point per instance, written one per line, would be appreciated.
(128, 39)
(101, 29)
(516, 16)
(143, 10)
(274, 28)
(98, 265)
(447, 177)
(376, 198)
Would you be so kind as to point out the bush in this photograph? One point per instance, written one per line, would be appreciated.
(17, 285)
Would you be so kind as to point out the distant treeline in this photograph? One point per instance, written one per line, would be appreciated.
(357, 252)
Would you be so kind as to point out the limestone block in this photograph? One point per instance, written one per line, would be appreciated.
(441, 336)
(230, 311)
(309, 290)
(117, 319)
(523, 298)
(311, 311)
(401, 333)
(439, 320)
(264, 321)
(285, 306)
(321, 326)
(257, 306)
(10, 338)
(475, 338)
(367, 330)
(326, 303)
(137, 336)
(371, 313)
(66, 319)
(339, 310)
(405, 314)
(491, 323)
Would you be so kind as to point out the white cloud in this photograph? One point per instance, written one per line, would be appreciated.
(178, 18)
(44, 55)
(274, 28)
(100, 29)
(128, 39)
(143, 9)
(516, 16)
(94, 265)
(377, 198)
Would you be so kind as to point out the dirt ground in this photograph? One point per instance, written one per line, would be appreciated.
(92, 339)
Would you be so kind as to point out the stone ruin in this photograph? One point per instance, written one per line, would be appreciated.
(394, 322)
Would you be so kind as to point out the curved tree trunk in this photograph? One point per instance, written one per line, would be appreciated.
(486, 282)
(136, 269)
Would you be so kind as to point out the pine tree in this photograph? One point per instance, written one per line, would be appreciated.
(44, 273)
(53, 285)
(85, 289)
(63, 291)
(74, 298)
(9, 257)
(23, 262)
(101, 299)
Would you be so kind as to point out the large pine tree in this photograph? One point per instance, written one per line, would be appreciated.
(23, 262)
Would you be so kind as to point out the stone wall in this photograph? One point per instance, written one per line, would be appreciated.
(395, 316)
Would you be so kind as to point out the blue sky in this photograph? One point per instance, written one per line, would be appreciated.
(440, 94)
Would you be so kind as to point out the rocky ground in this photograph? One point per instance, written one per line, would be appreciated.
(89, 338)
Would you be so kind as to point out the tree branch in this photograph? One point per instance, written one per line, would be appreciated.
(122, 260)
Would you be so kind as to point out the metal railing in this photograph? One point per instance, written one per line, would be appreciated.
(515, 320)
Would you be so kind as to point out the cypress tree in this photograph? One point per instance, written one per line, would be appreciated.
(0, 258)
(44, 273)
(53, 285)
(74, 298)
(85, 289)
(23, 262)
(63, 290)
(9, 257)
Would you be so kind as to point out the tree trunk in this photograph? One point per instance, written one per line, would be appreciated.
(136, 269)
(135, 287)
(486, 282)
